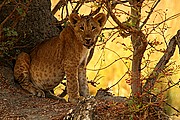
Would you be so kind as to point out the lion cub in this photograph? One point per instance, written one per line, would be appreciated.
(49, 62)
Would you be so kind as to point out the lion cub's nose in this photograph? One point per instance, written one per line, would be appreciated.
(88, 40)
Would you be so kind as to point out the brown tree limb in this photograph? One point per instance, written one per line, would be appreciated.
(162, 62)
(125, 29)
(58, 5)
(9, 16)
(1, 5)
(177, 40)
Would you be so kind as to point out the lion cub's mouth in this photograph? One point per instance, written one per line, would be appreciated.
(88, 46)
(88, 43)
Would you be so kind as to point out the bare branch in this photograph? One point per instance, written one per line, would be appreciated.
(105, 66)
(162, 62)
(172, 107)
(1, 5)
(58, 5)
(8, 17)
(171, 87)
(78, 6)
(151, 11)
(110, 8)
(158, 24)
(118, 81)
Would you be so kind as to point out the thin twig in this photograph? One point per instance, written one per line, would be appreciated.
(158, 24)
(118, 81)
(106, 28)
(170, 87)
(106, 66)
(96, 11)
(151, 11)
(172, 107)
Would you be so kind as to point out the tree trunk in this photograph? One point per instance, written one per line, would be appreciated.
(33, 22)
(39, 23)
(139, 44)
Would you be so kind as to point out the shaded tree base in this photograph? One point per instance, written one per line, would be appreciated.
(15, 103)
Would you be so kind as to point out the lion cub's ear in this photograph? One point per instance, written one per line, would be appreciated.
(101, 18)
(74, 18)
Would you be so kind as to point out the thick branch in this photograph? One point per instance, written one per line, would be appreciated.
(140, 45)
(162, 62)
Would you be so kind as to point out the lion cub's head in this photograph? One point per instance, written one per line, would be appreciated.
(87, 28)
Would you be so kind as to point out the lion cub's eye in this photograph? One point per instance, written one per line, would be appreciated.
(93, 28)
(82, 28)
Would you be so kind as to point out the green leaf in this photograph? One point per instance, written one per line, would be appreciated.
(10, 32)
(20, 11)
(14, 33)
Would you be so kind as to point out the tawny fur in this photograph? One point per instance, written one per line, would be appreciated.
(67, 54)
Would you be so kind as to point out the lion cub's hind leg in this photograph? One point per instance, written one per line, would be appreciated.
(22, 74)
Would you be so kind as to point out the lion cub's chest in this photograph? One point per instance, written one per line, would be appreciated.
(84, 54)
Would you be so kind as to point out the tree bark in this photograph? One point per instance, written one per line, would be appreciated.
(38, 24)
(32, 20)
(139, 44)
